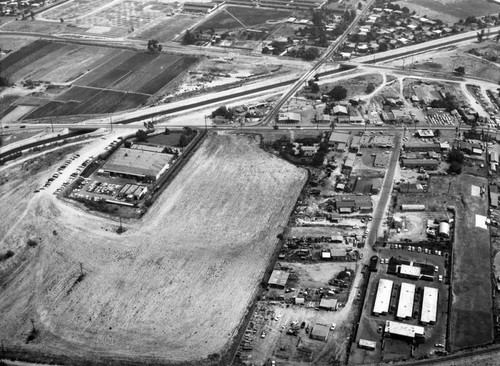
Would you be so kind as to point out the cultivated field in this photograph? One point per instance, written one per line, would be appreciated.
(107, 79)
(451, 10)
(250, 17)
(471, 317)
(174, 287)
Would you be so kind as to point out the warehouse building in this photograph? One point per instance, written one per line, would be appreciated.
(320, 332)
(383, 298)
(406, 331)
(412, 207)
(428, 315)
(337, 138)
(137, 164)
(405, 304)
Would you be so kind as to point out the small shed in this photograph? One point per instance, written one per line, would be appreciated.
(278, 279)
(328, 304)
(320, 332)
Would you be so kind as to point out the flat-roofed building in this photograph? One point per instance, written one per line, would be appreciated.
(289, 117)
(383, 297)
(404, 330)
(366, 344)
(428, 315)
(328, 304)
(405, 303)
(430, 164)
(278, 279)
(320, 332)
(408, 271)
(137, 164)
(337, 138)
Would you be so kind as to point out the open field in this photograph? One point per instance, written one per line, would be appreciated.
(250, 17)
(451, 10)
(174, 287)
(471, 317)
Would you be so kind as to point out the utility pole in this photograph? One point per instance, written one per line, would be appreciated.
(111, 122)
(205, 123)
(81, 269)
(51, 124)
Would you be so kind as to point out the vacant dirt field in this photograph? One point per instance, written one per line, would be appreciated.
(471, 317)
(238, 16)
(166, 29)
(174, 287)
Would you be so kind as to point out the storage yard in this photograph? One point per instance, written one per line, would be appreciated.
(132, 285)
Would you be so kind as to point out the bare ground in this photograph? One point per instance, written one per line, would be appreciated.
(173, 288)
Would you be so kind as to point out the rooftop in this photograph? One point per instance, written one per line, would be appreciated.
(137, 162)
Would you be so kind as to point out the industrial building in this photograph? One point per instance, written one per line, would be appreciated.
(405, 304)
(320, 332)
(402, 330)
(383, 298)
(349, 161)
(428, 315)
(412, 207)
(278, 279)
(136, 164)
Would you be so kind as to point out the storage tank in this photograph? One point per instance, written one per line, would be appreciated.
(444, 229)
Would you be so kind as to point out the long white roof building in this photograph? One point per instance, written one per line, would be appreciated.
(383, 298)
(405, 304)
(404, 330)
(429, 305)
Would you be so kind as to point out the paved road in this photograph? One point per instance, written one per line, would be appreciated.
(385, 193)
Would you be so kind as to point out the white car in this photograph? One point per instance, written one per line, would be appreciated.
(440, 278)
(333, 326)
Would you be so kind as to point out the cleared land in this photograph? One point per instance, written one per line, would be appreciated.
(175, 286)
(166, 29)
(471, 317)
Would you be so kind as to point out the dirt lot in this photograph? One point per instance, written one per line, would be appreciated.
(174, 286)
(450, 11)
(245, 17)
(166, 29)
(471, 317)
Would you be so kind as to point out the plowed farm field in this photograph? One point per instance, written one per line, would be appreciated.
(173, 288)
(127, 78)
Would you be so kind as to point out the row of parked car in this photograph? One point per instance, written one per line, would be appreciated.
(417, 249)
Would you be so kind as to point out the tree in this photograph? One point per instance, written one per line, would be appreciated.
(183, 141)
(455, 168)
(154, 46)
(222, 112)
(167, 131)
(459, 70)
(360, 6)
(188, 38)
(370, 88)
(437, 133)
(382, 47)
(456, 155)
(338, 93)
(480, 36)
(141, 135)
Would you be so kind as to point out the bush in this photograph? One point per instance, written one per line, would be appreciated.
(8, 254)
(31, 243)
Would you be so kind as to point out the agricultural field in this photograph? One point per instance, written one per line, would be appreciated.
(245, 18)
(450, 11)
(105, 80)
(174, 287)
